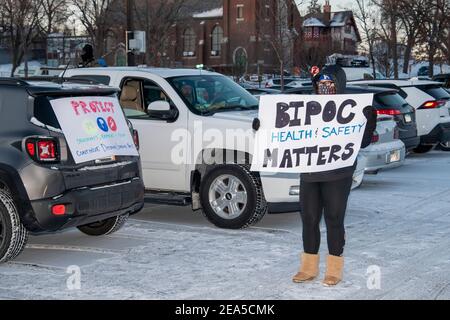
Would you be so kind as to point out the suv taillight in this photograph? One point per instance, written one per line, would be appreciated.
(42, 149)
(136, 138)
(433, 104)
(390, 112)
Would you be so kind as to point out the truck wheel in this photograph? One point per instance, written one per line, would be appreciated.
(105, 227)
(232, 197)
(423, 148)
(13, 235)
(444, 146)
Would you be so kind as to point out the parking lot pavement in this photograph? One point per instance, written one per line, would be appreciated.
(397, 248)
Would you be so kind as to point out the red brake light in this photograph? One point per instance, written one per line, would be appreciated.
(375, 137)
(59, 210)
(390, 112)
(42, 149)
(136, 138)
(31, 149)
(433, 104)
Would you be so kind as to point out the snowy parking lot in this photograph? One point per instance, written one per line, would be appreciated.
(398, 223)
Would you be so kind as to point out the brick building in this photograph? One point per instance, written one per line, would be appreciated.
(334, 32)
(234, 36)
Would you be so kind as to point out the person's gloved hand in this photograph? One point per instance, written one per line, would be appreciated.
(256, 124)
(371, 115)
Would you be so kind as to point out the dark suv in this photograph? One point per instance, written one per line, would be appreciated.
(42, 189)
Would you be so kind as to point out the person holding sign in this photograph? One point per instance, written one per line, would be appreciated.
(318, 136)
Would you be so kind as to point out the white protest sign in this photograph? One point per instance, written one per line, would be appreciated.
(309, 133)
(94, 127)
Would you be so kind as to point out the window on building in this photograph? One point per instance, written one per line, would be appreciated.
(240, 12)
(348, 28)
(216, 41)
(268, 13)
(308, 33)
(316, 33)
(189, 42)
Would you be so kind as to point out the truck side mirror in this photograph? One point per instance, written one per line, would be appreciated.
(162, 110)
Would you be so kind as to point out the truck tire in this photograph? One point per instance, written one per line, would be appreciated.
(13, 235)
(232, 197)
(105, 227)
(423, 148)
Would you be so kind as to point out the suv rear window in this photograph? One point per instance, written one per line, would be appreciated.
(43, 112)
(391, 100)
(436, 92)
(94, 78)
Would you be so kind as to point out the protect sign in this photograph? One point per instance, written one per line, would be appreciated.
(309, 133)
(94, 127)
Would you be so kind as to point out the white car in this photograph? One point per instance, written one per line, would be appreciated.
(167, 107)
(432, 105)
(386, 151)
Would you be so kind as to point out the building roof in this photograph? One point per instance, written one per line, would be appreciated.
(313, 22)
(213, 13)
(191, 7)
(339, 19)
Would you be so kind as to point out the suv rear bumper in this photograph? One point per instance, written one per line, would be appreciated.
(88, 205)
(411, 143)
(441, 133)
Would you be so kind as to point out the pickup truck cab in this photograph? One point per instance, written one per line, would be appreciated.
(196, 142)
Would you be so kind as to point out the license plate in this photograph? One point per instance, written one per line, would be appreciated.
(408, 118)
(394, 156)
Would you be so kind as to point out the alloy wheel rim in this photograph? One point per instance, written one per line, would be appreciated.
(228, 197)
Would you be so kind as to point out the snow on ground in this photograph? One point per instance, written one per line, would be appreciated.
(398, 220)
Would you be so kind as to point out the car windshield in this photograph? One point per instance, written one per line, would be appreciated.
(208, 94)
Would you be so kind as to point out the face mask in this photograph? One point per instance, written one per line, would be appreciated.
(326, 87)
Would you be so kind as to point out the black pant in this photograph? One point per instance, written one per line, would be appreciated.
(328, 198)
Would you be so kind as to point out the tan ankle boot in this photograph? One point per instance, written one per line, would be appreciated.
(309, 269)
(335, 267)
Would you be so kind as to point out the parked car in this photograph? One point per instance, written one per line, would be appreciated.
(444, 79)
(389, 102)
(182, 109)
(432, 105)
(42, 189)
(386, 150)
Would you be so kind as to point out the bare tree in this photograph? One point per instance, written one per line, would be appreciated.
(157, 17)
(20, 19)
(413, 16)
(434, 29)
(279, 34)
(97, 16)
(314, 7)
(55, 14)
(390, 12)
(366, 15)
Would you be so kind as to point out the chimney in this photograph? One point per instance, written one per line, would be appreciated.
(327, 10)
